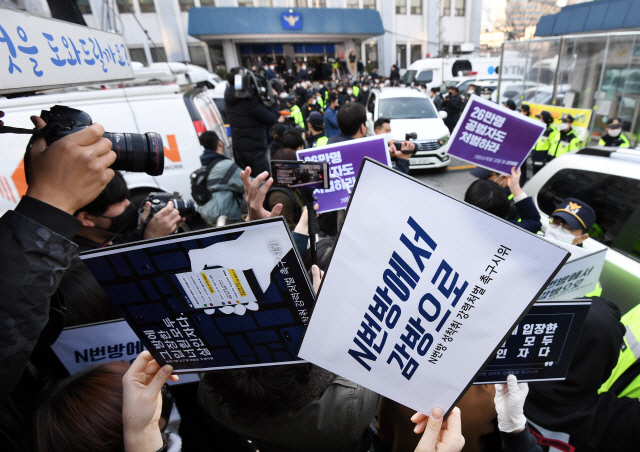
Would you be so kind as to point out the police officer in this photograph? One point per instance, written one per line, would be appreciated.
(565, 141)
(540, 152)
(316, 136)
(296, 114)
(614, 136)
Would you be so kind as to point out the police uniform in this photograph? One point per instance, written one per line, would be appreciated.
(296, 114)
(619, 141)
(540, 152)
(564, 141)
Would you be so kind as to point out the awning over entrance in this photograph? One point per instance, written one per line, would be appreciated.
(283, 24)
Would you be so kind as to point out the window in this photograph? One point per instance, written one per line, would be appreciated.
(147, 6)
(186, 4)
(84, 6)
(368, 4)
(138, 55)
(424, 77)
(406, 108)
(401, 56)
(125, 6)
(459, 11)
(158, 54)
(401, 6)
(614, 199)
(264, 3)
(198, 55)
(416, 52)
(207, 3)
(245, 2)
(416, 7)
(352, 4)
(446, 7)
(300, 3)
(319, 3)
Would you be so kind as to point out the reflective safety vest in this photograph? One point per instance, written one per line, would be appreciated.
(625, 377)
(561, 144)
(322, 141)
(620, 141)
(297, 116)
(544, 142)
(321, 103)
(356, 91)
(596, 292)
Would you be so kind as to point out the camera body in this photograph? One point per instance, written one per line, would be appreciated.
(159, 200)
(249, 84)
(407, 137)
(135, 152)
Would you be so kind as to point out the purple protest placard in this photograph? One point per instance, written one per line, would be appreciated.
(493, 137)
(344, 160)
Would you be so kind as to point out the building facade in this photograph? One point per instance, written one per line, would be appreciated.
(407, 30)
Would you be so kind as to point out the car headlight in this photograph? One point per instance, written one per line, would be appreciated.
(442, 141)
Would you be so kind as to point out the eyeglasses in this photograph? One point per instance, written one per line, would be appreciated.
(555, 222)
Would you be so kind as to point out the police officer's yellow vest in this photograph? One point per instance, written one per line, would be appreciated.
(321, 142)
(356, 91)
(297, 116)
(625, 142)
(629, 354)
(321, 103)
(560, 147)
(544, 143)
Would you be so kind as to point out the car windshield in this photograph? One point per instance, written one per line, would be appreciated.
(406, 108)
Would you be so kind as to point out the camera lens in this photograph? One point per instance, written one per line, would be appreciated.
(185, 206)
(138, 153)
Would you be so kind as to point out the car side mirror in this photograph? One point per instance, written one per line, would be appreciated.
(443, 114)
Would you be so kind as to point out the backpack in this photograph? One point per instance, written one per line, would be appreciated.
(199, 191)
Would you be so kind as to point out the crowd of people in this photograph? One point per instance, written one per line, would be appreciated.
(75, 202)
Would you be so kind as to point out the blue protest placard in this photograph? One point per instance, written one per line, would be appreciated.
(345, 160)
(493, 137)
(228, 297)
(541, 346)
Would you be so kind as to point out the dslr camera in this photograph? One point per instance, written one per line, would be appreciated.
(159, 200)
(407, 137)
(248, 84)
(135, 152)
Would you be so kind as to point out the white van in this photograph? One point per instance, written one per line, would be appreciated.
(178, 114)
(411, 111)
(434, 71)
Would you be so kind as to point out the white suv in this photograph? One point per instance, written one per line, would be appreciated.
(411, 111)
(608, 179)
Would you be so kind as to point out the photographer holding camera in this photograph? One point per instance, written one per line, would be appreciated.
(111, 218)
(251, 104)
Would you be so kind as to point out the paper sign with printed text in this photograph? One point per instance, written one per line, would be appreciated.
(38, 53)
(344, 160)
(414, 304)
(233, 296)
(541, 347)
(493, 137)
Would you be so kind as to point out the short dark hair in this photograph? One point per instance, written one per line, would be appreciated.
(379, 122)
(332, 98)
(292, 139)
(350, 117)
(488, 196)
(435, 89)
(116, 191)
(471, 85)
(455, 88)
(232, 74)
(209, 140)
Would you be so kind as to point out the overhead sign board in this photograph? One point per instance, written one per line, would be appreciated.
(38, 53)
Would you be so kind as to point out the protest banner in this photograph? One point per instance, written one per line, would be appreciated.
(579, 275)
(542, 345)
(493, 137)
(345, 159)
(414, 303)
(581, 117)
(39, 53)
(82, 346)
(229, 297)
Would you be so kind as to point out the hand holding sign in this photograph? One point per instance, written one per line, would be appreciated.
(439, 436)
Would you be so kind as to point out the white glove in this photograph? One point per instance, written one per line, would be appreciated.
(509, 400)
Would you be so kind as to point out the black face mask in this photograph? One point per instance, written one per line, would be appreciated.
(127, 221)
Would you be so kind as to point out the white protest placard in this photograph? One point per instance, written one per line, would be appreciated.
(82, 346)
(578, 276)
(38, 53)
(414, 303)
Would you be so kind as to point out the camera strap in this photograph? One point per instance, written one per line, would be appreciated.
(36, 132)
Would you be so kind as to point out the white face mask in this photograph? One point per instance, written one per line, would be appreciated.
(564, 126)
(470, 92)
(559, 234)
(304, 68)
(365, 88)
(349, 91)
(272, 67)
(313, 102)
(486, 96)
(614, 132)
(321, 85)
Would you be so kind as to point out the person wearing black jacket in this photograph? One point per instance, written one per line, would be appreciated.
(453, 105)
(247, 119)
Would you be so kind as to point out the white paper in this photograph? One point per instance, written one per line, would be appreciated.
(467, 239)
